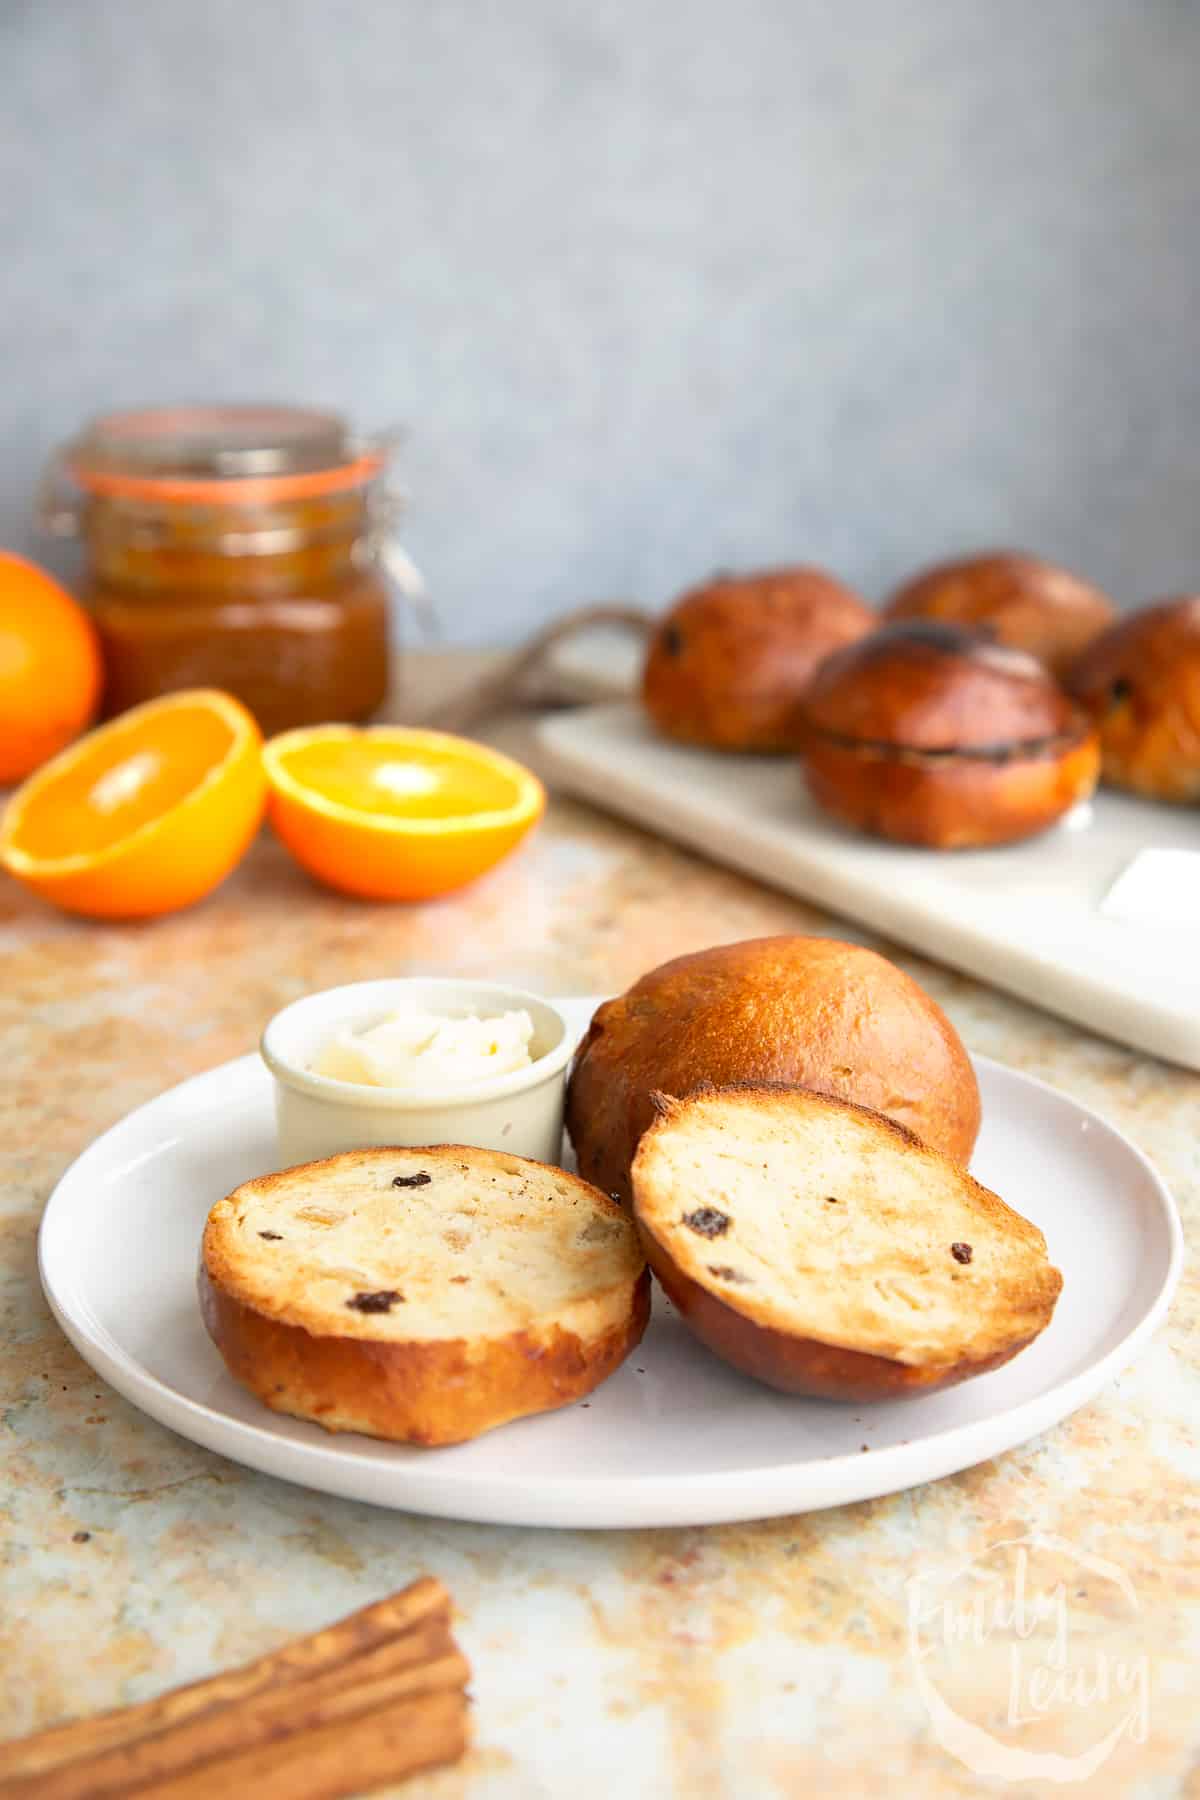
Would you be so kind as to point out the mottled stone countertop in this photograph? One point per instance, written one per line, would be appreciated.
(767, 1659)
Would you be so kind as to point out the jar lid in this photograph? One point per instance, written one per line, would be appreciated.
(221, 453)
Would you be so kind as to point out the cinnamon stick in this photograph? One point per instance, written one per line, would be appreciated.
(334, 1760)
(422, 1662)
(424, 1604)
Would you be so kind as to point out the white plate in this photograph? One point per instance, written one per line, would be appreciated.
(1030, 917)
(674, 1438)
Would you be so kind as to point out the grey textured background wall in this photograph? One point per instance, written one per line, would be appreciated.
(657, 285)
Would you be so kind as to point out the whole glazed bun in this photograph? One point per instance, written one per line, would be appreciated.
(802, 1011)
(1141, 684)
(1014, 599)
(729, 661)
(926, 734)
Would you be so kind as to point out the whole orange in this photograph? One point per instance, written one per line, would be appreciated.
(50, 669)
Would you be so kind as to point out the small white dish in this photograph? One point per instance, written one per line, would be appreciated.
(318, 1116)
(674, 1437)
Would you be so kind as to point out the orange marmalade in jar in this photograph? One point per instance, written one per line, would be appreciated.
(236, 548)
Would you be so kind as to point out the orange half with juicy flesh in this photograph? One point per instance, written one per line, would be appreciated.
(143, 815)
(389, 813)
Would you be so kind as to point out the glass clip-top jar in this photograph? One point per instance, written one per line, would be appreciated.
(244, 548)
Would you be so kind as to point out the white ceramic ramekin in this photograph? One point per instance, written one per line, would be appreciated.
(317, 1116)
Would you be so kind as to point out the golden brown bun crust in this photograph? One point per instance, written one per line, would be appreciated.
(1141, 684)
(729, 661)
(921, 685)
(797, 1365)
(923, 734)
(1015, 599)
(951, 802)
(809, 1012)
(428, 1394)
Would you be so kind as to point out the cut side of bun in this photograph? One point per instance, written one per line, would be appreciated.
(421, 1295)
(826, 1250)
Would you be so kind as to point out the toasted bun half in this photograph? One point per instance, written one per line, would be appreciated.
(825, 1250)
(805, 1011)
(421, 1295)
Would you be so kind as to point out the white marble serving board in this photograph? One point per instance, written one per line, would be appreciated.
(1026, 917)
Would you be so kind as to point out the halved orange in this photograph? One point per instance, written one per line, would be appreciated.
(144, 815)
(389, 813)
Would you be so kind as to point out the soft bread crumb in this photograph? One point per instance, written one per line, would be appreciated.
(536, 1243)
(837, 1226)
(423, 1296)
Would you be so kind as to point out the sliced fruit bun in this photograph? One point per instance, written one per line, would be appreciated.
(826, 1250)
(423, 1295)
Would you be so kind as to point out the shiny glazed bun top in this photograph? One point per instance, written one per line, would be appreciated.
(921, 684)
(1140, 682)
(729, 661)
(801, 1011)
(1016, 599)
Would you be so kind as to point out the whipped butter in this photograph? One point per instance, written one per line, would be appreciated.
(417, 1050)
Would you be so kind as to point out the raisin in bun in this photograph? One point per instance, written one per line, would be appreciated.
(729, 661)
(823, 1249)
(803, 1011)
(926, 734)
(1141, 684)
(1013, 599)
